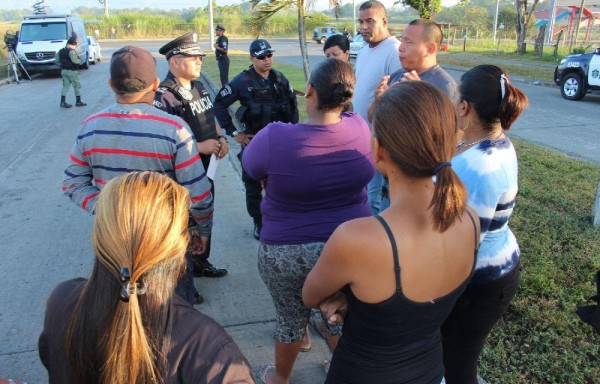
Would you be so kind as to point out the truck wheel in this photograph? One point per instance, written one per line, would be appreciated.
(86, 63)
(572, 87)
(323, 40)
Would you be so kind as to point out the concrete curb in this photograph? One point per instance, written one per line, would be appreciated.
(516, 79)
(596, 209)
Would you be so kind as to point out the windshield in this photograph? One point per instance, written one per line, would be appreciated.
(43, 31)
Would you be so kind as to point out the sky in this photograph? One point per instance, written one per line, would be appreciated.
(61, 6)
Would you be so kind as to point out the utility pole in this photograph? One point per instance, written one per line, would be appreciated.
(551, 17)
(574, 40)
(105, 2)
(496, 20)
(354, 18)
(211, 33)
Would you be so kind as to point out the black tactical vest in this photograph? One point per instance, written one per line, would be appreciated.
(65, 60)
(197, 110)
(270, 102)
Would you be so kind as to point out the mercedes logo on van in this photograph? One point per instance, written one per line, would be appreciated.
(39, 55)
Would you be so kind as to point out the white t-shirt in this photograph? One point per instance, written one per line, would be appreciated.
(371, 65)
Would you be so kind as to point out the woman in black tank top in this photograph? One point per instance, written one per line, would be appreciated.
(402, 271)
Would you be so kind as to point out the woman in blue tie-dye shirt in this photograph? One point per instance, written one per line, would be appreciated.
(486, 161)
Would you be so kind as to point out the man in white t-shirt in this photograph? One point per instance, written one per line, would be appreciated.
(378, 58)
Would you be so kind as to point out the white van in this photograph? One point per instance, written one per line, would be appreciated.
(41, 36)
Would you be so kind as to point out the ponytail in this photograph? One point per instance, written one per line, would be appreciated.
(416, 124)
(495, 100)
(117, 333)
(449, 199)
(511, 106)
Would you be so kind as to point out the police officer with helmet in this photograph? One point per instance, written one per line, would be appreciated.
(183, 95)
(265, 96)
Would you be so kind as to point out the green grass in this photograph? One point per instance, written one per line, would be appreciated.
(540, 339)
(528, 69)
(527, 65)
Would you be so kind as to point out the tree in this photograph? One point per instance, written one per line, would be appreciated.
(523, 20)
(508, 17)
(477, 18)
(427, 8)
(263, 10)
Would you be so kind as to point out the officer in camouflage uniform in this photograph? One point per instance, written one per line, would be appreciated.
(69, 62)
(265, 96)
(181, 94)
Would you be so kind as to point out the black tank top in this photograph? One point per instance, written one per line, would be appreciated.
(394, 341)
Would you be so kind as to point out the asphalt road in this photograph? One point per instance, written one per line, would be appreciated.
(44, 238)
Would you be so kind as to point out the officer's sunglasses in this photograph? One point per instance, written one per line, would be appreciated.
(262, 57)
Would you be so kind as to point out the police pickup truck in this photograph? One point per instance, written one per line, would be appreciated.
(578, 74)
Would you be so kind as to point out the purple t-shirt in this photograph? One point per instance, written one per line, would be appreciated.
(315, 177)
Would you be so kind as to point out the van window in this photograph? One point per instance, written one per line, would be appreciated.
(43, 31)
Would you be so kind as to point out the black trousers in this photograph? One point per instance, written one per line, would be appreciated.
(471, 321)
(253, 194)
(203, 257)
(185, 287)
(223, 63)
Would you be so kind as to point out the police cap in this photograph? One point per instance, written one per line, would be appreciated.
(219, 28)
(260, 47)
(186, 45)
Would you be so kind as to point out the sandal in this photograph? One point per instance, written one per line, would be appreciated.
(264, 371)
(307, 336)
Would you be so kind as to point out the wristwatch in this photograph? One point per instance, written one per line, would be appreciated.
(235, 133)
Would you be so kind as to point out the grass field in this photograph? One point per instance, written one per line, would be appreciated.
(540, 339)
(521, 68)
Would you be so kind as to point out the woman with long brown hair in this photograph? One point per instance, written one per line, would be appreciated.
(125, 324)
(403, 270)
(487, 104)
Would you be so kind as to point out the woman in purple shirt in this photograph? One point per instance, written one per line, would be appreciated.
(315, 175)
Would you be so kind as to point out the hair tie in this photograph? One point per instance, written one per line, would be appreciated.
(503, 82)
(440, 166)
(128, 289)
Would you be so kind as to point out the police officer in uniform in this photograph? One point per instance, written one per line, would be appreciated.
(181, 94)
(221, 47)
(69, 62)
(265, 96)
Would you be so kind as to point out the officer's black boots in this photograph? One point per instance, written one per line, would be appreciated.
(80, 103)
(63, 103)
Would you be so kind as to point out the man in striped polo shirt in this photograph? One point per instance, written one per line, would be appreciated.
(132, 135)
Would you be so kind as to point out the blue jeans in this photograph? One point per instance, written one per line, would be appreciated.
(374, 194)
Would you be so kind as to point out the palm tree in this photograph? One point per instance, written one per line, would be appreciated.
(264, 9)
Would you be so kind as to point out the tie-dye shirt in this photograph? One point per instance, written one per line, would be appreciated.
(489, 171)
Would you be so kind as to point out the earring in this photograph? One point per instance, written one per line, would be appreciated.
(466, 127)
